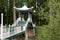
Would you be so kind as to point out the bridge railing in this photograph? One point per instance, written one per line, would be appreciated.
(9, 30)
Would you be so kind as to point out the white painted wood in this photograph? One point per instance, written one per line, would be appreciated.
(1, 26)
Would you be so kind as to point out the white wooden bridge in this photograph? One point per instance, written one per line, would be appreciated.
(16, 28)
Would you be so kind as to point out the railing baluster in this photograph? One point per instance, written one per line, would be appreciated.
(11, 29)
(21, 28)
(8, 30)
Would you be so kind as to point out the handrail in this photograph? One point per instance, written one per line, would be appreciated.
(25, 26)
(19, 19)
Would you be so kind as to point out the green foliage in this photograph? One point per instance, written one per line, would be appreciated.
(51, 31)
(44, 33)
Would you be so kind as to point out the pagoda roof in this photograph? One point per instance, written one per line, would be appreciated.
(24, 8)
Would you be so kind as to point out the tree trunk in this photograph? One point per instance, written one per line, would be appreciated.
(14, 12)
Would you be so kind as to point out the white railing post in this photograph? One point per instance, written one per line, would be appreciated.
(9, 30)
(1, 26)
